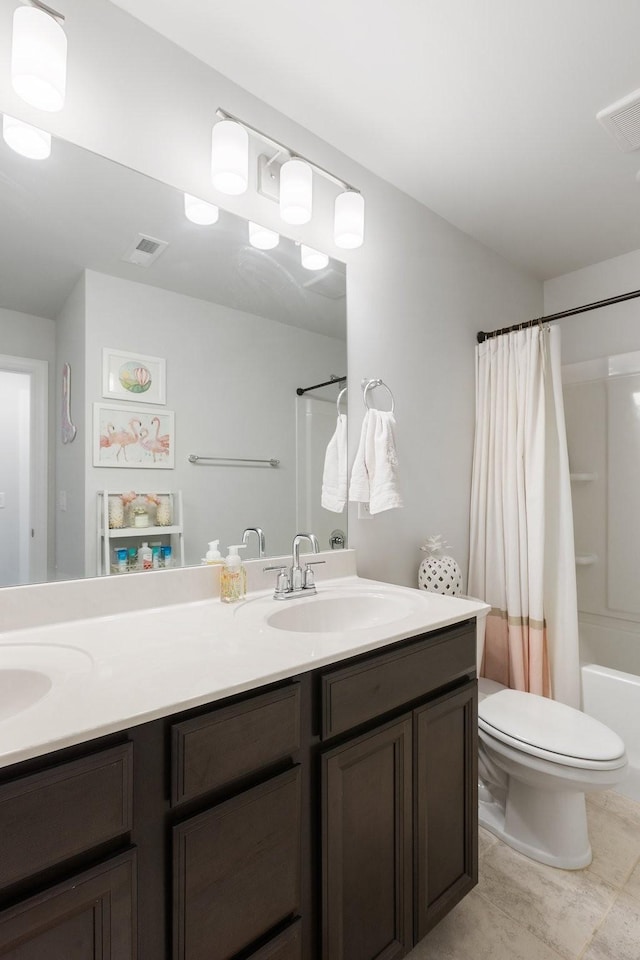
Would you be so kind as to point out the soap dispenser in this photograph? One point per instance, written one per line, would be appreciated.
(233, 578)
(213, 555)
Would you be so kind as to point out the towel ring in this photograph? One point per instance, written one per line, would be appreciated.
(340, 396)
(378, 383)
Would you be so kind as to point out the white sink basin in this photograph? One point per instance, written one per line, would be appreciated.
(337, 614)
(20, 689)
(31, 672)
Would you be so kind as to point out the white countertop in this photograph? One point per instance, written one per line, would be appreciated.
(114, 672)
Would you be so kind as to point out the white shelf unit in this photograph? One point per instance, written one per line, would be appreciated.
(106, 534)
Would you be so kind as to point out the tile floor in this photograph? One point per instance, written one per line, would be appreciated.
(523, 910)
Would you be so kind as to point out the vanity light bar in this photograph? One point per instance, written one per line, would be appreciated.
(283, 148)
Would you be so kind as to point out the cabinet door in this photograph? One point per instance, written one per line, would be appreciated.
(446, 811)
(89, 917)
(237, 870)
(366, 845)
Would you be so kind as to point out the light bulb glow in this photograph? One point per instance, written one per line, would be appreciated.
(230, 157)
(296, 191)
(349, 220)
(312, 259)
(262, 238)
(39, 59)
(199, 211)
(25, 139)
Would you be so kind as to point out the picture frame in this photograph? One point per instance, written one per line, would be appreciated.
(128, 437)
(135, 377)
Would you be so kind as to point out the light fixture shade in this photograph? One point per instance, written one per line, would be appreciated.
(312, 259)
(39, 59)
(262, 238)
(230, 157)
(199, 211)
(26, 140)
(296, 191)
(348, 228)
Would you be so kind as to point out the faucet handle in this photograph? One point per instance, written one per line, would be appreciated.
(282, 581)
(309, 575)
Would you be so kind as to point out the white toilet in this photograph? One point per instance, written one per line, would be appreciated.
(537, 759)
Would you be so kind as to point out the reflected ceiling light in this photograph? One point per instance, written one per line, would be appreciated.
(348, 228)
(312, 259)
(230, 157)
(262, 238)
(25, 139)
(296, 191)
(39, 57)
(199, 211)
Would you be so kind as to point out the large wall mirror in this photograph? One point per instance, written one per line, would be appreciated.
(196, 350)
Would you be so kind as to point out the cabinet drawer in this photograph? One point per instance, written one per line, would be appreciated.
(92, 916)
(236, 870)
(48, 817)
(219, 747)
(373, 687)
(287, 946)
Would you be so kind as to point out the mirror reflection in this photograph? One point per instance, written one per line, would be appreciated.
(149, 368)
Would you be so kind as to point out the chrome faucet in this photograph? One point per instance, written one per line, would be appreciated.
(293, 582)
(261, 541)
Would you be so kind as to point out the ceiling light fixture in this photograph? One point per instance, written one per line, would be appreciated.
(290, 183)
(199, 211)
(349, 220)
(313, 259)
(262, 238)
(25, 139)
(230, 157)
(39, 56)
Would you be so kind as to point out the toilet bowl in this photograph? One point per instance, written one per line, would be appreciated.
(537, 759)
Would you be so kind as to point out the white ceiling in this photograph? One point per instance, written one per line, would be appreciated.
(484, 110)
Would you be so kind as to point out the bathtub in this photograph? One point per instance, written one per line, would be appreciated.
(613, 697)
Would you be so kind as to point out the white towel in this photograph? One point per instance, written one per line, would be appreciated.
(374, 478)
(334, 477)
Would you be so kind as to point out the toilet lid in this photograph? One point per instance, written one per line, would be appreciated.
(531, 721)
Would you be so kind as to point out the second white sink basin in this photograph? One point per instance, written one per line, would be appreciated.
(20, 689)
(334, 614)
(31, 672)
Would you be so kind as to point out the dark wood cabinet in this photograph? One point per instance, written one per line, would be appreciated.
(332, 816)
(446, 805)
(91, 916)
(237, 870)
(367, 845)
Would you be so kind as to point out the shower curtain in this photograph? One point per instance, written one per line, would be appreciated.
(522, 555)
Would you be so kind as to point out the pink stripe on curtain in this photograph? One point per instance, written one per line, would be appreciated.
(515, 654)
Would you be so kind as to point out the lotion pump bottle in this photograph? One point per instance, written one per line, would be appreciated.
(213, 555)
(233, 577)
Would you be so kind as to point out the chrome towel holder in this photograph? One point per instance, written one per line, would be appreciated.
(369, 384)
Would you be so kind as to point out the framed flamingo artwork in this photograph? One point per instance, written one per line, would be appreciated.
(133, 377)
(130, 437)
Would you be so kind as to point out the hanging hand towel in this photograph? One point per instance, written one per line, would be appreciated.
(334, 477)
(374, 478)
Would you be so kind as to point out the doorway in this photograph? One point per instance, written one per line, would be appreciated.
(23, 470)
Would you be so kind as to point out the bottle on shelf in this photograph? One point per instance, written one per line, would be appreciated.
(145, 557)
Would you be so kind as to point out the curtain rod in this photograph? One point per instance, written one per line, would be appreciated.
(482, 335)
(301, 390)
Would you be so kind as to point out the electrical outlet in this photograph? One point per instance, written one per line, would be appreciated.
(364, 513)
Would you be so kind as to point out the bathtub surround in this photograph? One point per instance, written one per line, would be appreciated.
(522, 554)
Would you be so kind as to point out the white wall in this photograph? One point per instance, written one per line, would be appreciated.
(417, 291)
(14, 471)
(609, 330)
(231, 380)
(70, 457)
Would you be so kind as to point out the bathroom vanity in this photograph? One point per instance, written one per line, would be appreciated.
(327, 813)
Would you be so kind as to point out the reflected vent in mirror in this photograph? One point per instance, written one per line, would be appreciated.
(144, 250)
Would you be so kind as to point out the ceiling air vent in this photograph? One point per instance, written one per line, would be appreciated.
(622, 121)
(144, 250)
